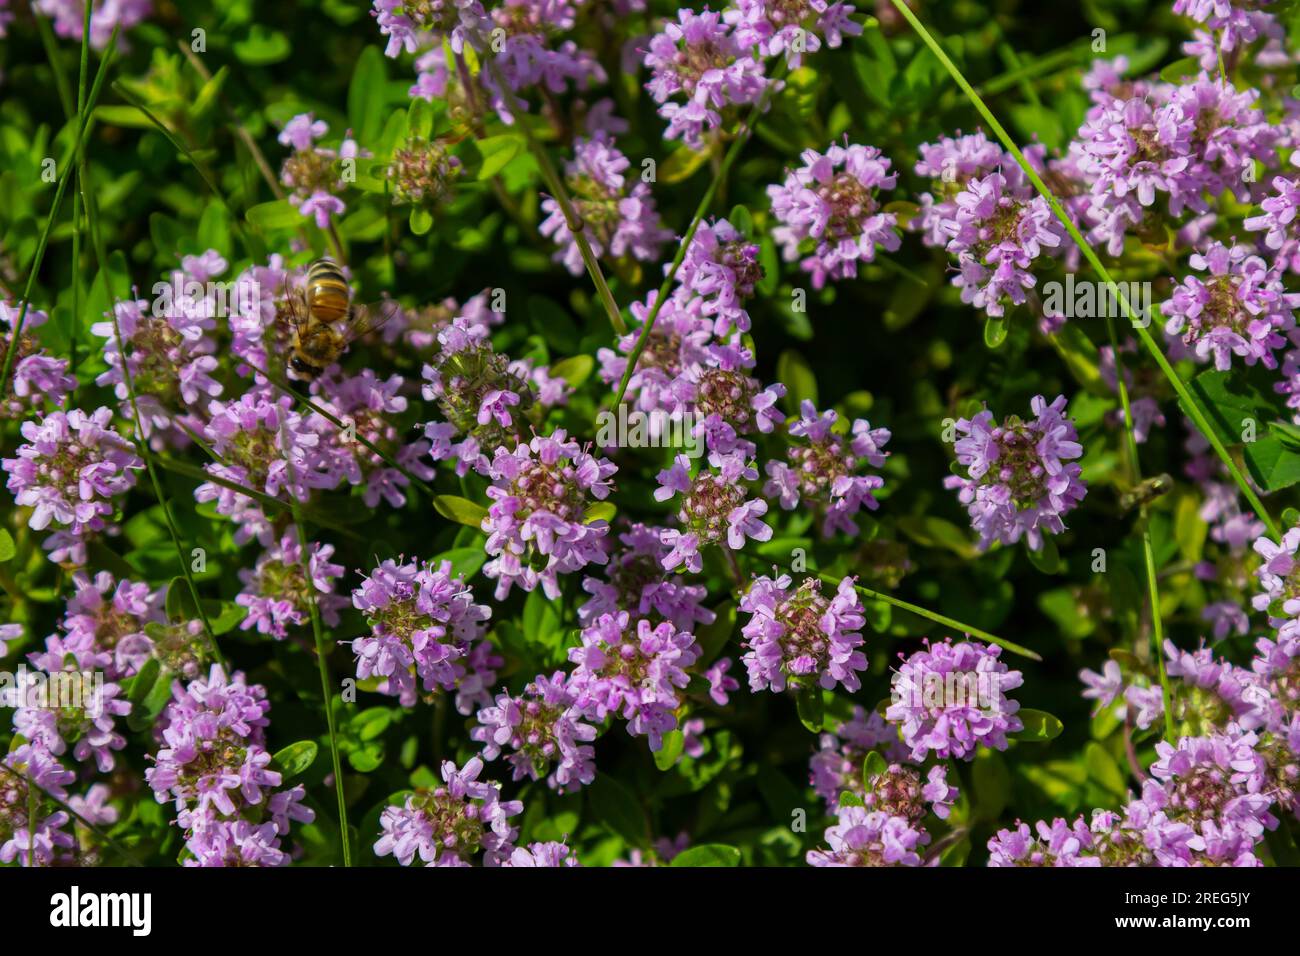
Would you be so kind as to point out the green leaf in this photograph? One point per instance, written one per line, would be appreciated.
(492, 154)
(995, 331)
(366, 96)
(574, 370)
(873, 766)
(278, 214)
(262, 46)
(1272, 464)
(465, 562)
(1103, 768)
(708, 854)
(295, 759)
(461, 510)
(812, 708)
(600, 511)
(179, 602)
(617, 808)
(1039, 726)
(1180, 70)
(1046, 559)
(992, 784)
(740, 218)
(1231, 400)
(792, 369)
(681, 164)
(7, 549)
(934, 532)
(666, 756)
(421, 220)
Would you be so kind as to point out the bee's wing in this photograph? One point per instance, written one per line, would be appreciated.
(368, 318)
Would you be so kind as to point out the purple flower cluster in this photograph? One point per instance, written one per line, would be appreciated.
(453, 824)
(69, 18)
(699, 67)
(636, 582)
(69, 471)
(540, 495)
(1240, 308)
(715, 509)
(633, 670)
(792, 27)
(950, 698)
(214, 766)
(1020, 478)
(38, 377)
(830, 214)
(545, 730)
(312, 172)
(424, 625)
(951, 162)
(279, 591)
(862, 837)
(798, 637)
(44, 840)
(820, 470)
(836, 767)
(619, 219)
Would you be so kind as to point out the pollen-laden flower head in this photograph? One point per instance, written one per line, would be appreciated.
(422, 172)
(792, 27)
(635, 581)
(698, 59)
(37, 376)
(728, 403)
(635, 671)
(1021, 479)
(950, 698)
(821, 469)
(901, 790)
(266, 445)
(455, 824)
(1240, 308)
(837, 765)
(715, 509)
(70, 468)
(485, 400)
(424, 625)
(830, 214)
(721, 267)
(798, 637)
(619, 218)
(367, 404)
(279, 591)
(545, 731)
(537, 527)
(862, 837)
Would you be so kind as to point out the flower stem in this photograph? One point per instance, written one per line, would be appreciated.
(940, 619)
(1188, 399)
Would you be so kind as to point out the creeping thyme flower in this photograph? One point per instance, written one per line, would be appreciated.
(485, 400)
(634, 671)
(1241, 308)
(69, 18)
(545, 731)
(798, 637)
(312, 172)
(47, 841)
(451, 825)
(1279, 576)
(542, 854)
(721, 268)
(279, 595)
(537, 527)
(424, 624)
(635, 581)
(950, 698)
(409, 26)
(422, 172)
(1229, 27)
(1020, 478)
(214, 766)
(1279, 224)
(951, 162)
(103, 627)
(999, 228)
(87, 723)
(698, 58)
(830, 214)
(727, 402)
(820, 472)
(792, 27)
(715, 509)
(1056, 844)
(70, 469)
(265, 445)
(837, 765)
(862, 837)
(619, 219)
(366, 404)
(676, 350)
(37, 376)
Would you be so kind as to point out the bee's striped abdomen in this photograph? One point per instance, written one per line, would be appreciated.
(328, 291)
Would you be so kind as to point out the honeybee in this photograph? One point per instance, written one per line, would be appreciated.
(1145, 493)
(326, 320)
